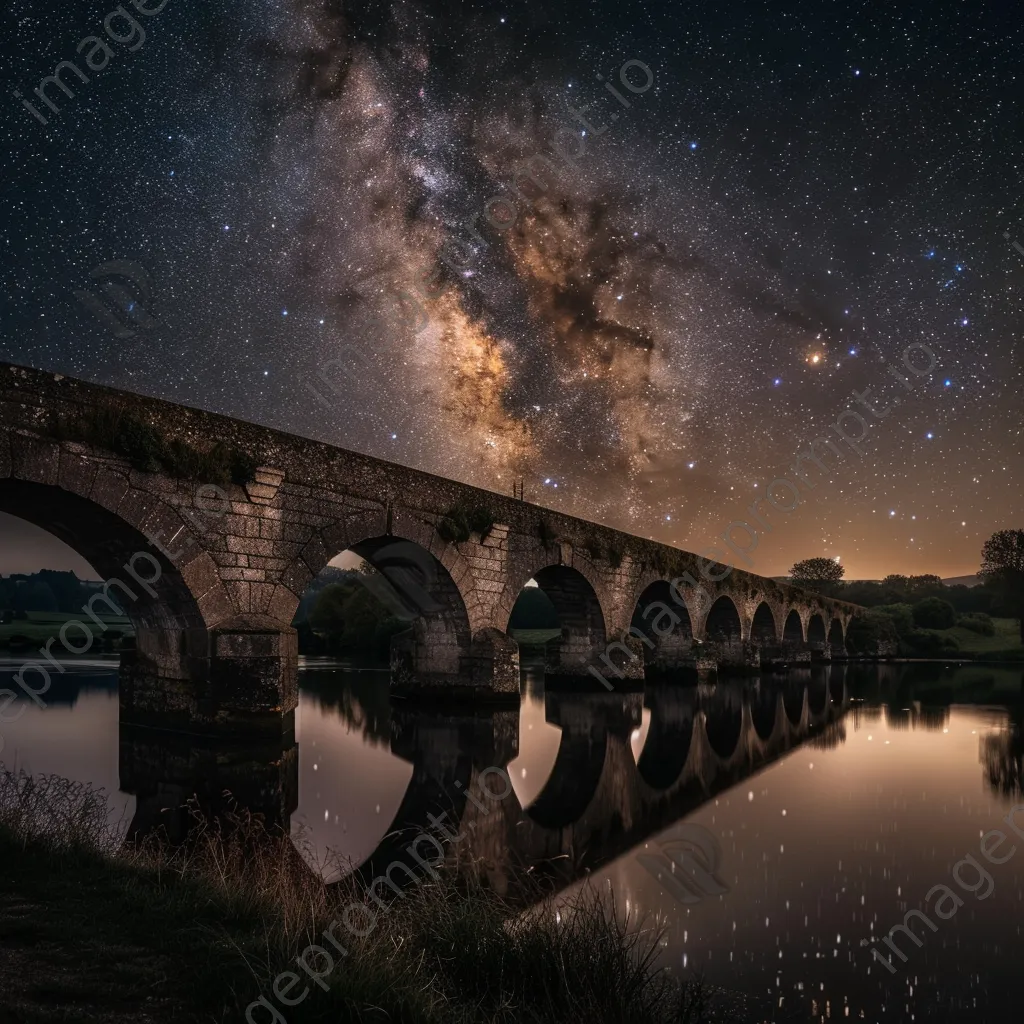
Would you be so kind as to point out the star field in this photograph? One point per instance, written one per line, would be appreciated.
(769, 204)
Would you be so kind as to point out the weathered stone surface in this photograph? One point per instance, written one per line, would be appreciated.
(251, 551)
(34, 458)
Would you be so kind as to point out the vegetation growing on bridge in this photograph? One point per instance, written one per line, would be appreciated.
(119, 431)
(460, 522)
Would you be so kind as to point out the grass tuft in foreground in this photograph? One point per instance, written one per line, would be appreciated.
(93, 929)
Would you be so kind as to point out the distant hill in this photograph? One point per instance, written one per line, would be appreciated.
(967, 581)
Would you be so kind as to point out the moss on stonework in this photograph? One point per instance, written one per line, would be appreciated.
(546, 533)
(148, 451)
(460, 522)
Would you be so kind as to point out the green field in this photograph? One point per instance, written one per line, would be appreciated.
(39, 627)
(1006, 638)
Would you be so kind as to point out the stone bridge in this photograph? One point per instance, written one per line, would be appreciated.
(208, 530)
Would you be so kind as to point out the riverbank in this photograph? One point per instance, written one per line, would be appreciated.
(91, 931)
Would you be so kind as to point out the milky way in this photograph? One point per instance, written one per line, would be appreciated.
(726, 222)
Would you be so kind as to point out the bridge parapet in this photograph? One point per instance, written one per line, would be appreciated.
(210, 529)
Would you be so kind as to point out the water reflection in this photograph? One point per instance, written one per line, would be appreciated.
(836, 796)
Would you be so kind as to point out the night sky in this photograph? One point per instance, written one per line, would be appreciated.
(770, 203)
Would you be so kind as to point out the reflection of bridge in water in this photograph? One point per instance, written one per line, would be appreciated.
(598, 802)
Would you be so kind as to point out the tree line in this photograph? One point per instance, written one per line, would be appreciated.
(903, 608)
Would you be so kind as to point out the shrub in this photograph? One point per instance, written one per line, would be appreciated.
(615, 555)
(977, 622)
(480, 520)
(934, 613)
(454, 526)
(547, 533)
(142, 445)
(901, 616)
(867, 630)
(460, 522)
(923, 644)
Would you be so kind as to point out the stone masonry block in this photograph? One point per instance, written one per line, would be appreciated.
(35, 459)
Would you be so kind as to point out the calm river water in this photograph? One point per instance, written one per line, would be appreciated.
(800, 817)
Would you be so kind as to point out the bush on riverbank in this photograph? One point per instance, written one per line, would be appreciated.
(977, 622)
(934, 613)
(100, 931)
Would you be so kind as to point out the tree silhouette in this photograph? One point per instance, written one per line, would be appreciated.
(1002, 568)
(816, 572)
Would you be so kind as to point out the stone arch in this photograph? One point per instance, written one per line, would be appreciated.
(108, 542)
(582, 618)
(150, 548)
(816, 630)
(793, 630)
(666, 624)
(722, 621)
(416, 581)
(523, 569)
(836, 635)
(763, 628)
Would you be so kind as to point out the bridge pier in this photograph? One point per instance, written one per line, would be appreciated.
(579, 657)
(238, 679)
(820, 651)
(734, 653)
(429, 662)
(674, 651)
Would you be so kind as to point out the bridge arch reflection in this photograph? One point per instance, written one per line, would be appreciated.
(598, 802)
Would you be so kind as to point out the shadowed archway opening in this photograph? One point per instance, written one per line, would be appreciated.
(163, 639)
(816, 630)
(723, 622)
(793, 631)
(386, 601)
(835, 636)
(534, 623)
(763, 629)
(577, 610)
(666, 624)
